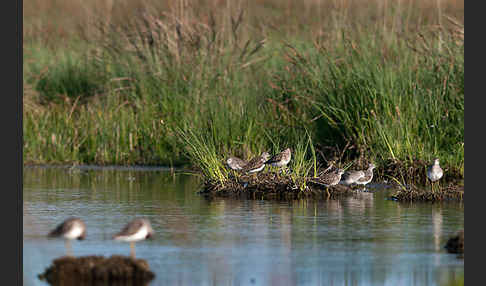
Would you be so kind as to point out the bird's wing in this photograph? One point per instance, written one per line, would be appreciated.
(275, 159)
(131, 228)
(353, 175)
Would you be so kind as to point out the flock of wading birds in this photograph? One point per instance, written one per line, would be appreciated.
(326, 177)
(140, 229)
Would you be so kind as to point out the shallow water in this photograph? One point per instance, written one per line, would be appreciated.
(361, 240)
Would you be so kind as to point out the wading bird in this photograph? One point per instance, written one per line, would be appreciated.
(71, 228)
(281, 159)
(136, 230)
(434, 172)
(256, 164)
(368, 175)
(236, 163)
(330, 179)
(350, 177)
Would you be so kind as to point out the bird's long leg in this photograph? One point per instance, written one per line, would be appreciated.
(132, 249)
(67, 244)
(327, 191)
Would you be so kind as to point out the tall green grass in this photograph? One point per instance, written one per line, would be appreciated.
(394, 101)
(154, 91)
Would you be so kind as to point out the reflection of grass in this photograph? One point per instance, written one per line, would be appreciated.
(455, 281)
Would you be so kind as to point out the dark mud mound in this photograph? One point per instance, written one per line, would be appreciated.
(272, 186)
(455, 244)
(413, 194)
(98, 270)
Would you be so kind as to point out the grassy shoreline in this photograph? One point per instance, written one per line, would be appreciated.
(165, 90)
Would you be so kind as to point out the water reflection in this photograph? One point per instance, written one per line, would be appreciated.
(360, 240)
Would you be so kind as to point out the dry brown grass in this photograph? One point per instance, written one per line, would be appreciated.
(50, 20)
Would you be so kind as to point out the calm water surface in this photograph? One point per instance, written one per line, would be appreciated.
(360, 240)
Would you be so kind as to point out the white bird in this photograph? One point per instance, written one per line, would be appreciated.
(434, 172)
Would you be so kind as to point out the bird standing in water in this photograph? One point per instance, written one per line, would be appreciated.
(330, 179)
(71, 228)
(136, 230)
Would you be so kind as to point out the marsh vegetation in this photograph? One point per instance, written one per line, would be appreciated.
(178, 83)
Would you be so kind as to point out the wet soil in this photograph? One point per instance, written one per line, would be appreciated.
(98, 270)
(272, 186)
(450, 192)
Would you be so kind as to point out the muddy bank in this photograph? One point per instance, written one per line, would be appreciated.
(455, 244)
(272, 186)
(98, 270)
(450, 192)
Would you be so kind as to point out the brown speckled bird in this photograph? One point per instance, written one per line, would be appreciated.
(281, 159)
(329, 179)
(256, 164)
